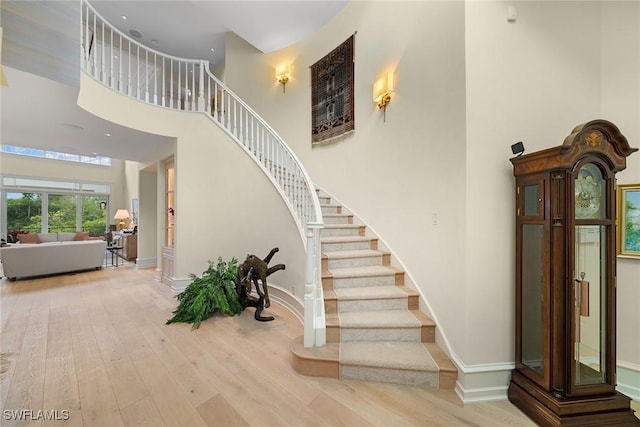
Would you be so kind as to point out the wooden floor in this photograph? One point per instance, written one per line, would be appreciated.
(93, 349)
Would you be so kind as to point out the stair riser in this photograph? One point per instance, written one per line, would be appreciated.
(423, 379)
(347, 246)
(327, 232)
(372, 305)
(357, 282)
(380, 334)
(337, 220)
(324, 200)
(355, 262)
(331, 209)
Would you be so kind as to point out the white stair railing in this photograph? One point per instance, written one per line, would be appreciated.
(126, 66)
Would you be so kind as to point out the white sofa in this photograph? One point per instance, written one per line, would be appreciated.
(52, 256)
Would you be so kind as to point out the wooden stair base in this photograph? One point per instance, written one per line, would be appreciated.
(325, 362)
(316, 361)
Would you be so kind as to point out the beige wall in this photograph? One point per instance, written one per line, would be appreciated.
(226, 206)
(621, 103)
(468, 85)
(559, 65)
(33, 167)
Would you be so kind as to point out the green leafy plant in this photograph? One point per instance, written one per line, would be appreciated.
(214, 291)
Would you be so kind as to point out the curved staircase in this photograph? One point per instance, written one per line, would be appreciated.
(375, 330)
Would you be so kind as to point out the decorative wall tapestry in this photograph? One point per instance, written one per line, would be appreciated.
(332, 100)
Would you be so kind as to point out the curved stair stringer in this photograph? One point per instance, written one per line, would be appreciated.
(375, 329)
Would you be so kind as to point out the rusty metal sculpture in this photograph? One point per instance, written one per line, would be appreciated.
(255, 270)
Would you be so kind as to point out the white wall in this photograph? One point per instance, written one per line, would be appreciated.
(533, 80)
(34, 167)
(226, 206)
(468, 85)
(396, 174)
(559, 65)
(621, 104)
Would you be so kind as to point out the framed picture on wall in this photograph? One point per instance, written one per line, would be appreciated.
(629, 220)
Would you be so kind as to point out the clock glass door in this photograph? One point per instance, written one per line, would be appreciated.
(590, 277)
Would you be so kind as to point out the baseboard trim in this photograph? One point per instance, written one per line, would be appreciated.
(482, 383)
(178, 285)
(628, 380)
(146, 262)
(287, 300)
(490, 382)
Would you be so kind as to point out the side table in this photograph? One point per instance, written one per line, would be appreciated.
(114, 254)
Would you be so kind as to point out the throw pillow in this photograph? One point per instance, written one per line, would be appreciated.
(48, 237)
(28, 238)
(66, 237)
(81, 235)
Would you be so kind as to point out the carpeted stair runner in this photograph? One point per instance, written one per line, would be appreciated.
(375, 331)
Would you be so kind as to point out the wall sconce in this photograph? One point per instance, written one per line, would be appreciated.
(382, 92)
(283, 72)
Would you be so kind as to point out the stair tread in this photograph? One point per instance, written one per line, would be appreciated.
(361, 253)
(370, 293)
(344, 239)
(379, 319)
(339, 226)
(366, 271)
(395, 355)
(329, 351)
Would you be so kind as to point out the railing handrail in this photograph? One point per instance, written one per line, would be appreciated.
(226, 109)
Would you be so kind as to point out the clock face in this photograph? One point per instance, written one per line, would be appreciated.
(588, 192)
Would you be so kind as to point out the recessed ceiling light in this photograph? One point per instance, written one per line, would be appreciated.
(213, 50)
(135, 33)
(154, 41)
(124, 17)
(107, 134)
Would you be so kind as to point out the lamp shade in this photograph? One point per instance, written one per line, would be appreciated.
(383, 87)
(121, 214)
(283, 72)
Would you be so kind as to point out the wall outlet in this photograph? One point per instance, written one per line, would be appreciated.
(435, 218)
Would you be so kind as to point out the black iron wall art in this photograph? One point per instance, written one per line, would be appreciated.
(332, 97)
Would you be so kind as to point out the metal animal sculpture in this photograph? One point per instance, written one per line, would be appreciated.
(255, 270)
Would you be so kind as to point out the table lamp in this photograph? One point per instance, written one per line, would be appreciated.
(121, 214)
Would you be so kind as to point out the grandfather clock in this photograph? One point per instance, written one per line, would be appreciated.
(565, 372)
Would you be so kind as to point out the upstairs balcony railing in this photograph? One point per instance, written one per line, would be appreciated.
(136, 71)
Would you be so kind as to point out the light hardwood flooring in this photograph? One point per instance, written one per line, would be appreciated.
(94, 347)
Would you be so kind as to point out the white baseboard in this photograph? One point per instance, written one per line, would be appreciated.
(178, 285)
(628, 379)
(486, 383)
(482, 383)
(287, 300)
(146, 262)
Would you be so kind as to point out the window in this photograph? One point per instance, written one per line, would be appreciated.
(24, 212)
(35, 152)
(67, 206)
(62, 213)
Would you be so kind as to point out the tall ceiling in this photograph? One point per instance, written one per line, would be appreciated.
(40, 56)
